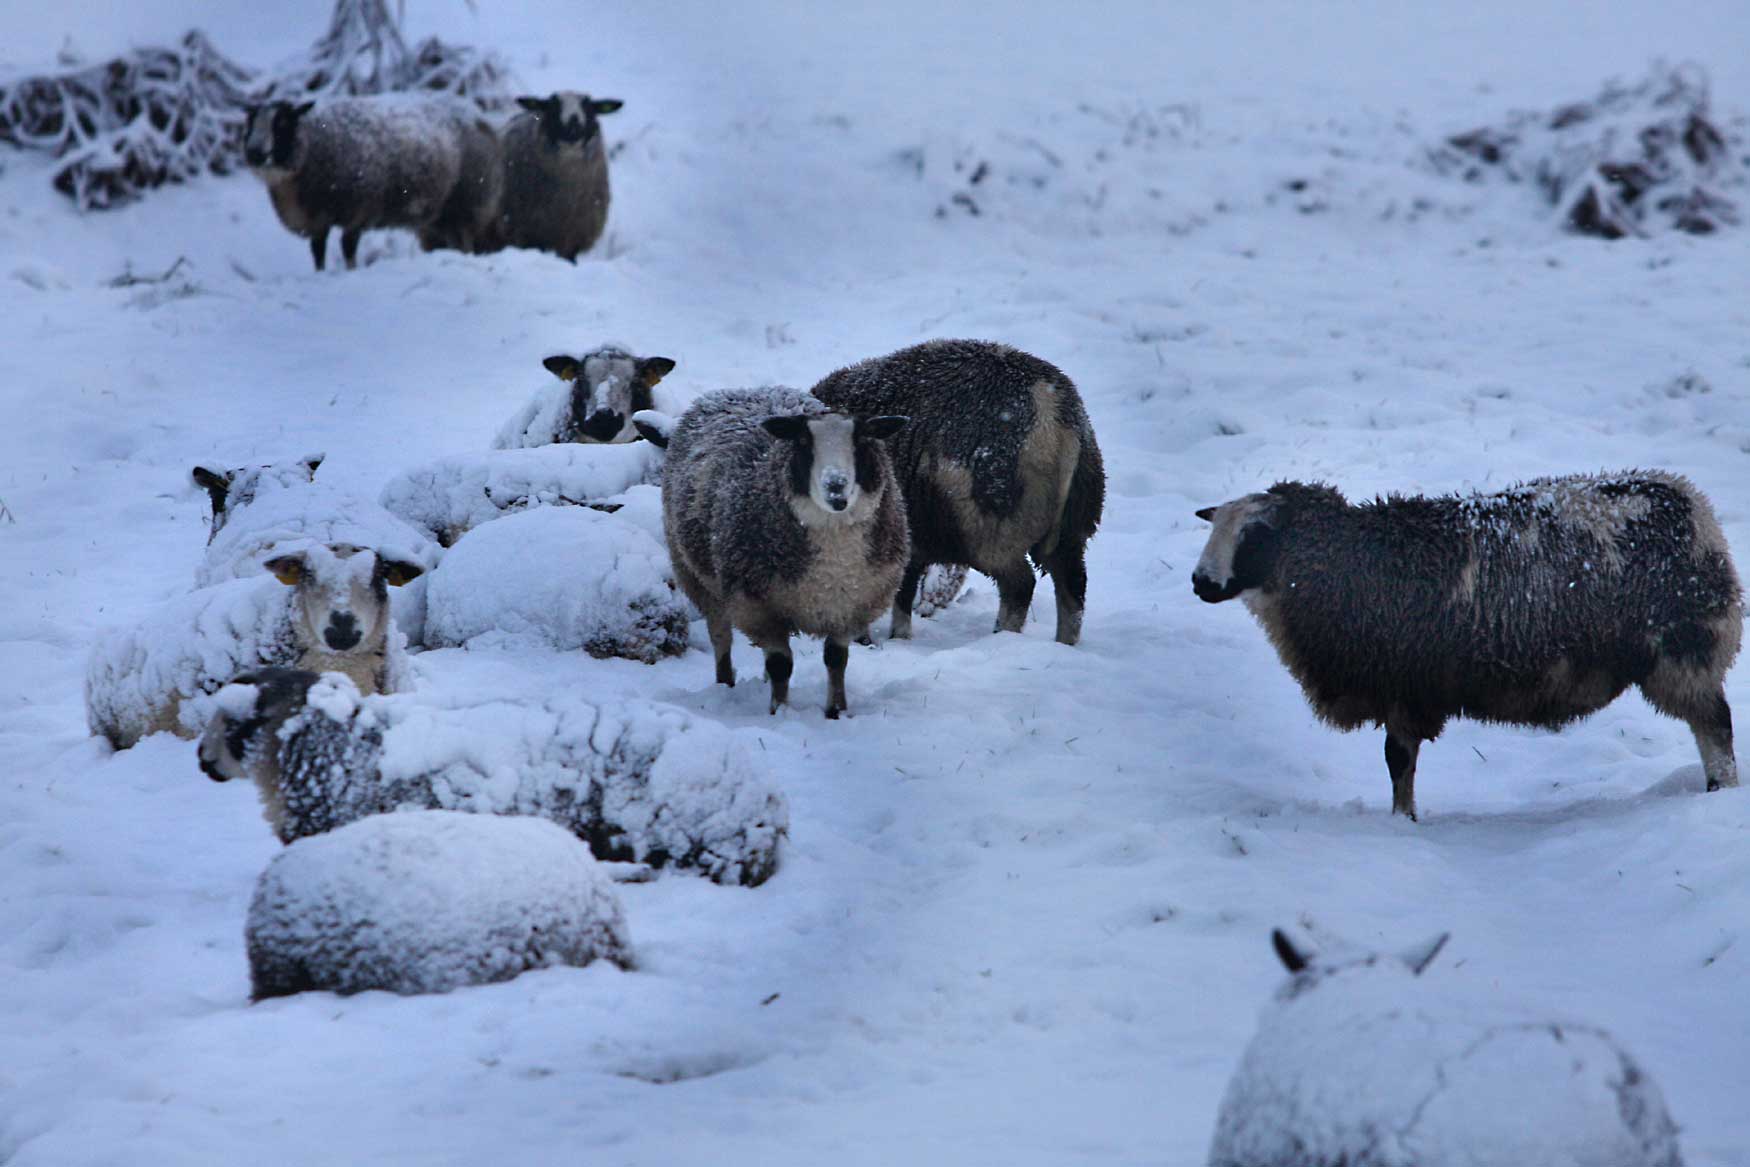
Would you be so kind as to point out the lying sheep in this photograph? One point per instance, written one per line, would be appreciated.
(1361, 1063)
(999, 464)
(359, 163)
(426, 902)
(782, 517)
(634, 780)
(332, 615)
(594, 402)
(1534, 606)
(556, 174)
(231, 490)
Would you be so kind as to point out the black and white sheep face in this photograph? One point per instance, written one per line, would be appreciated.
(1237, 555)
(607, 387)
(342, 594)
(271, 134)
(835, 467)
(568, 118)
(229, 489)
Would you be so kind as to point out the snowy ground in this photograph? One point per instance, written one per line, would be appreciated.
(1025, 908)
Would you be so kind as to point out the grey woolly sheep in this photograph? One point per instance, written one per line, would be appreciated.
(1534, 606)
(556, 174)
(332, 615)
(426, 902)
(782, 517)
(636, 781)
(598, 394)
(998, 464)
(470, 219)
(1362, 1062)
(359, 163)
(231, 490)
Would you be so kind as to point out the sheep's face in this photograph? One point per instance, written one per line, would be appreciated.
(341, 594)
(230, 489)
(607, 387)
(1308, 969)
(270, 135)
(1241, 548)
(838, 471)
(568, 119)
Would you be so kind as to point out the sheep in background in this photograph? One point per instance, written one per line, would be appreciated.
(594, 402)
(231, 490)
(332, 614)
(998, 464)
(783, 517)
(359, 163)
(1536, 605)
(1362, 1062)
(426, 902)
(470, 219)
(556, 174)
(636, 781)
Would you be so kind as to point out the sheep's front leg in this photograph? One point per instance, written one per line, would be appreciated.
(904, 599)
(779, 665)
(837, 653)
(722, 634)
(349, 247)
(319, 248)
(1400, 759)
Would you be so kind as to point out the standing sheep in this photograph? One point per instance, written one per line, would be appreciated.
(1361, 1063)
(470, 219)
(1534, 606)
(556, 174)
(594, 402)
(998, 464)
(783, 517)
(359, 163)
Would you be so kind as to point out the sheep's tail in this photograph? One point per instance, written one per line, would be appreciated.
(1084, 499)
(655, 426)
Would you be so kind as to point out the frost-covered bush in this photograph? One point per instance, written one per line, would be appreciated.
(565, 578)
(637, 781)
(1361, 1062)
(429, 901)
(451, 496)
(1639, 157)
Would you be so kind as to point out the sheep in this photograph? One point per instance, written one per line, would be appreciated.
(333, 614)
(426, 902)
(999, 464)
(1362, 1062)
(1534, 606)
(556, 174)
(594, 402)
(358, 163)
(782, 517)
(470, 219)
(233, 489)
(636, 781)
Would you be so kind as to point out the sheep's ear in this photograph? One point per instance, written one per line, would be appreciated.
(399, 571)
(303, 108)
(312, 462)
(651, 434)
(217, 481)
(1207, 514)
(533, 104)
(788, 429)
(654, 426)
(884, 426)
(1422, 955)
(288, 569)
(653, 369)
(561, 366)
(609, 105)
(1292, 958)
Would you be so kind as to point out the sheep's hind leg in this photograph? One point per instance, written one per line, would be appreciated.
(903, 600)
(1015, 583)
(837, 652)
(1400, 759)
(349, 247)
(779, 665)
(722, 635)
(1068, 567)
(1704, 708)
(319, 248)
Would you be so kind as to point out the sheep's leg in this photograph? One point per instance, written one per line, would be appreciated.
(779, 665)
(837, 652)
(1673, 692)
(903, 600)
(349, 246)
(1400, 759)
(319, 248)
(722, 635)
(1068, 565)
(1015, 583)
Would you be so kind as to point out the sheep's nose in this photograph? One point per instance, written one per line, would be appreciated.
(210, 770)
(342, 632)
(1209, 591)
(603, 425)
(837, 502)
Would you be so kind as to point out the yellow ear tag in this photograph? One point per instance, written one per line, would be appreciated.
(289, 572)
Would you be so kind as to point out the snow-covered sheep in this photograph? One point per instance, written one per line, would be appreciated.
(594, 400)
(451, 496)
(635, 780)
(998, 464)
(332, 614)
(470, 219)
(230, 490)
(556, 174)
(359, 163)
(426, 902)
(1536, 605)
(1362, 1062)
(565, 578)
(783, 517)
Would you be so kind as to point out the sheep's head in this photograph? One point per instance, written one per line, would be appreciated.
(341, 594)
(229, 489)
(1308, 967)
(607, 387)
(569, 118)
(837, 467)
(270, 134)
(1241, 549)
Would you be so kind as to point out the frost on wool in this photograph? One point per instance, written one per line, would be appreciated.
(449, 497)
(429, 901)
(1362, 1062)
(565, 578)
